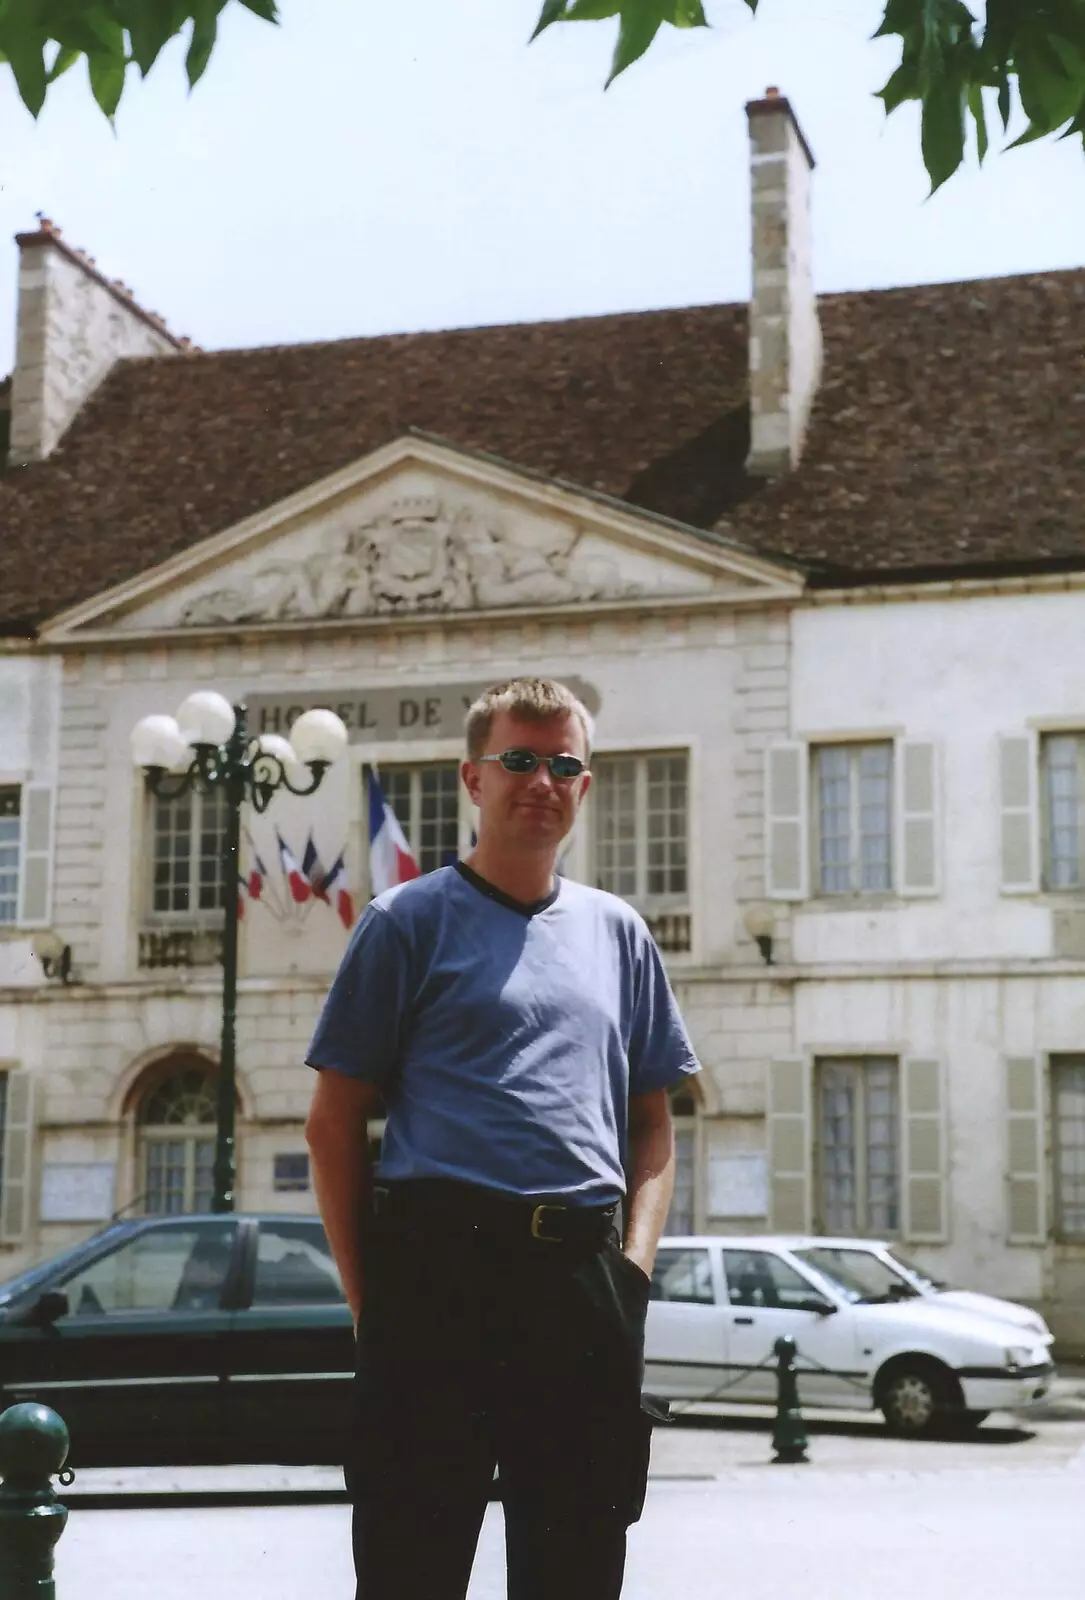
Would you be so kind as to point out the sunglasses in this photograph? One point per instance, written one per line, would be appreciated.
(562, 768)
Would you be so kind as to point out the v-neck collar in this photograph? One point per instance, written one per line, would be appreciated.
(492, 892)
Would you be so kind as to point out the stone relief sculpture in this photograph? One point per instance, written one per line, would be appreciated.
(419, 555)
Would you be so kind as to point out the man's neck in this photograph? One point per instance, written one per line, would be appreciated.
(526, 878)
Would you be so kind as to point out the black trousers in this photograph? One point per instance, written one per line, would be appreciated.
(480, 1349)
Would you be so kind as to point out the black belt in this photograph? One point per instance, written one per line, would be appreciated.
(444, 1205)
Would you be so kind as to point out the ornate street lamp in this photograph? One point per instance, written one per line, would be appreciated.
(206, 747)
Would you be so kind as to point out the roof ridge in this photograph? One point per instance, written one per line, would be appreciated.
(474, 328)
(597, 318)
(47, 233)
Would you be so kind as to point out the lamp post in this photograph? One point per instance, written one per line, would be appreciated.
(207, 747)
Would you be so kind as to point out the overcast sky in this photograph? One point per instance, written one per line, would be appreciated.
(370, 167)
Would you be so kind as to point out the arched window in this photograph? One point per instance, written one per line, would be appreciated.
(682, 1217)
(176, 1121)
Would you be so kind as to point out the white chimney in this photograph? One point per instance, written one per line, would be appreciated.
(785, 335)
(73, 326)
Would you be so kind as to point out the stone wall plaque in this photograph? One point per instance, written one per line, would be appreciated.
(738, 1185)
(77, 1191)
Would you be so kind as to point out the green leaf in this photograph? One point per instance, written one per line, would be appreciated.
(979, 117)
(899, 17)
(903, 85)
(640, 24)
(267, 10)
(151, 25)
(943, 132)
(1030, 136)
(24, 48)
(594, 10)
(688, 14)
(1005, 104)
(63, 59)
(1048, 93)
(106, 73)
(86, 28)
(552, 11)
(204, 33)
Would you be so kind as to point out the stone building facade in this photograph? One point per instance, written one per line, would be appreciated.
(823, 617)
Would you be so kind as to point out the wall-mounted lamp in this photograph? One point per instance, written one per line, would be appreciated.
(760, 923)
(55, 956)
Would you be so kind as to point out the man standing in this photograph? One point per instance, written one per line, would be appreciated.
(521, 1032)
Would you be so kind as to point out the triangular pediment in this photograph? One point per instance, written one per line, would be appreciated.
(421, 529)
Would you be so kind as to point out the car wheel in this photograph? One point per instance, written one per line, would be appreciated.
(911, 1400)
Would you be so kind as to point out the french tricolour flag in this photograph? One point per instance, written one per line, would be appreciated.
(312, 870)
(300, 887)
(390, 859)
(335, 882)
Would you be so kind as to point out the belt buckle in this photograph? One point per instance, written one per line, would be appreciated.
(537, 1224)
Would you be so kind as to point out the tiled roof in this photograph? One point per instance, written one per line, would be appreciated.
(949, 433)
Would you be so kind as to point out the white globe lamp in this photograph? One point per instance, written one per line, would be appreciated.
(157, 741)
(206, 718)
(318, 736)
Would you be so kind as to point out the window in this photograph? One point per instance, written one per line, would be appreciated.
(759, 1278)
(426, 801)
(853, 818)
(3, 1123)
(681, 1218)
(640, 808)
(858, 1146)
(1062, 779)
(189, 839)
(9, 854)
(294, 1266)
(290, 1173)
(164, 1269)
(1068, 1098)
(683, 1275)
(177, 1143)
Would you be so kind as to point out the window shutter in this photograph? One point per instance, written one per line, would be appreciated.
(18, 1136)
(789, 1145)
(1020, 842)
(1025, 1209)
(925, 1179)
(918, 852)
(786, 830)
(36, 857)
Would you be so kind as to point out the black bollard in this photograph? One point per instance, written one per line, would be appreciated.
(788, 1431)
(33, 1446)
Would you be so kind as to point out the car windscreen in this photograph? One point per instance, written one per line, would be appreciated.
(13, 1288)
(922, 1277)
(860, 1276)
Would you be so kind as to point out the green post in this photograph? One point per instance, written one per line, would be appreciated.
(789, 1431)
(225, 1156)
(33, 1446)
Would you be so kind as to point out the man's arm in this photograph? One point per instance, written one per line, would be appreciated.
(650, 1175)
(337, 1135)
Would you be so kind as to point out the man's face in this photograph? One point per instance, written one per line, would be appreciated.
(530, 810)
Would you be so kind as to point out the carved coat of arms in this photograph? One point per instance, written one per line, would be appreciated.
(417, 556)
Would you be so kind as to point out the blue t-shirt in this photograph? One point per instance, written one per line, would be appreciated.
(506, 1041)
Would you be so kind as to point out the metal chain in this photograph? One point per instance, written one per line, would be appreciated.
(729, 1383)
(815, 1366)
(803, 1363)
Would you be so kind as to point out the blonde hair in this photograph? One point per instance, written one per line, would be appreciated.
(530, 699)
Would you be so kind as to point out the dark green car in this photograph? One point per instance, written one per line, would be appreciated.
(186, 1339)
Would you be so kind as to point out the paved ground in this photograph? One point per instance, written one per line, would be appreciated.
(870, 1516)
